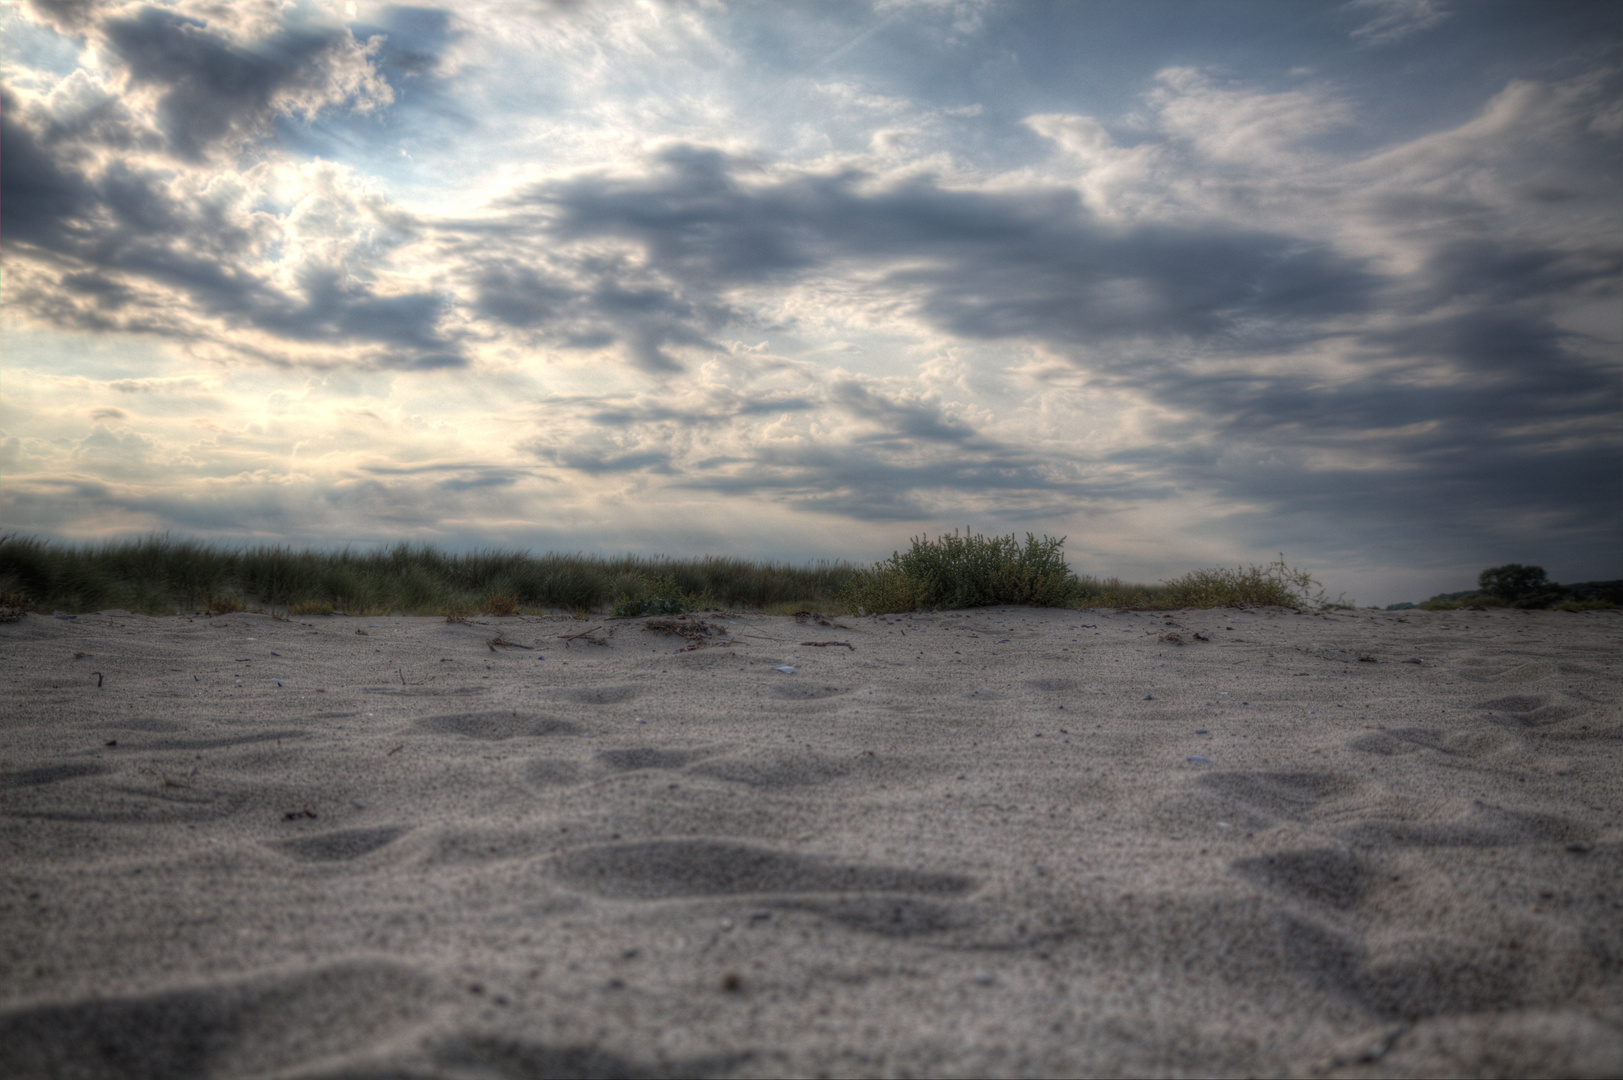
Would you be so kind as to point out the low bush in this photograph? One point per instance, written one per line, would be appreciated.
(967, 570)
(1274, 585)
(1514, 581)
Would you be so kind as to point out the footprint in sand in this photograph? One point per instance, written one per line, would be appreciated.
(341, 845)
(1529, 710)
(552, 772)
(663, 869)
(496, 725)
(49, 774)
(1330, 876)
(1466, 744)
(1484, 826)
(789, 771)
(647, 757)
(486, 1055)
(1289, 795)
(213, 1029)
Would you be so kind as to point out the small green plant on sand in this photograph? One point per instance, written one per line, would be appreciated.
(637, 595)
(1274, 585)
(966, 570)
(499, 604)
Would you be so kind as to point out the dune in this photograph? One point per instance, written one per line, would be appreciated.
(1003, 841)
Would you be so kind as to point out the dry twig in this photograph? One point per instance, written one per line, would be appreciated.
(697, 633)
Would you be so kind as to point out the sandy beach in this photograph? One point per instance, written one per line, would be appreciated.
(1003, 841)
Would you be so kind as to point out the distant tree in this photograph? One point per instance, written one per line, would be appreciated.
(1513, 581)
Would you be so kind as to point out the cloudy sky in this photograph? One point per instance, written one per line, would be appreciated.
(1189, 283)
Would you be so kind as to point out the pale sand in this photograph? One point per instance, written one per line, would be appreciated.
(970, 844)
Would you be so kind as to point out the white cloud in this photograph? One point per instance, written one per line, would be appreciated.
(1235, 123)
(1115, 181)
(1394, 20)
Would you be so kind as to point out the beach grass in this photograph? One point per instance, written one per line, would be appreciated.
(163, 575)
(960, 570)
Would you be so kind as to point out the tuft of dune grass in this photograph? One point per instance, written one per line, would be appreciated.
(968, 570)
(1273, 585)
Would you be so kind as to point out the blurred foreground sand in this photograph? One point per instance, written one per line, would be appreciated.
(1004, 841)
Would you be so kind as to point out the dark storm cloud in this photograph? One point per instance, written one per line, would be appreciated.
(984, 265)
(518, 296)
(771, 404)
(455, 476)
(1468, 501)
(905, 458)
(988, 266)
(105, 229)
(68, 16)
(101, 235)
(341, 510)
(593, 304)
(1463, 348)
(213, 91)
(1521, 431)
(599, 463)
(855, 482)
(42, 202)
(1493, 272)
(898, 420)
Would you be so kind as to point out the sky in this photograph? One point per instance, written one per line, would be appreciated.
(1190, 284)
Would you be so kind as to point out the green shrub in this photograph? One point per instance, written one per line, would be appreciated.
(642, 595)
(967, 570)
(1571, 604)
(1514, 581)
(1274, 585)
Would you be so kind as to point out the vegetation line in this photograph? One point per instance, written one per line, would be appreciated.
(163, 575)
